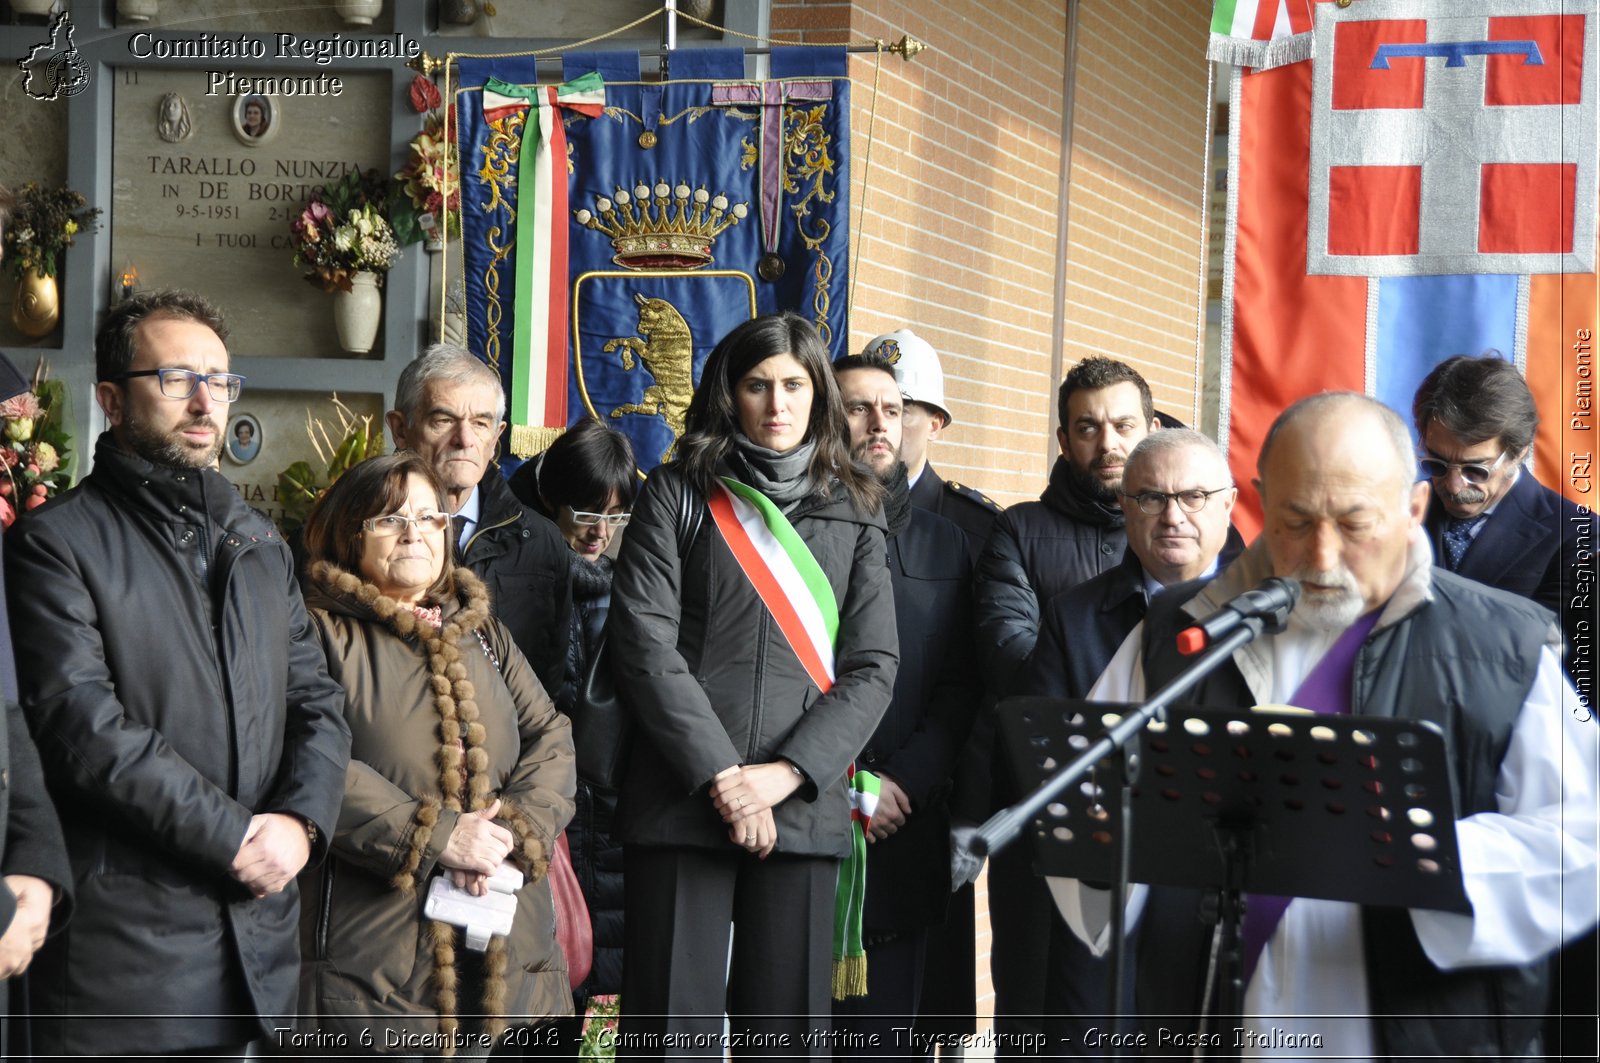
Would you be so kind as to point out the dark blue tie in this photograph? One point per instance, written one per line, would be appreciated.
(1458, 536)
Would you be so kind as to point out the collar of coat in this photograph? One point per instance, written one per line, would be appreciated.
(173, 493)
(341, 590)
(1254, 661)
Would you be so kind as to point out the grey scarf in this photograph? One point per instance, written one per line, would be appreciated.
(783, 478)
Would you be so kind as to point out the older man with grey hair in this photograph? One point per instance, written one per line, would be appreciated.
(1380, 631)
(450, 409)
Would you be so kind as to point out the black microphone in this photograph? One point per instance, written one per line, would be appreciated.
(1272, 601)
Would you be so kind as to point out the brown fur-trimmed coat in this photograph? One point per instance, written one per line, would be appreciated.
(370, 959)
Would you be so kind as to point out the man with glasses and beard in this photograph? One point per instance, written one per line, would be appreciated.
(191, 738)
(1379, 631)
(913, 751)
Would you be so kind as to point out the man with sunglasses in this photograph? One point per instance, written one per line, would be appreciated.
(191, 738)
(1489, 519)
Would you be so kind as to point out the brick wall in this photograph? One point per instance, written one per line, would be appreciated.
(1135, 232)
(963, 202)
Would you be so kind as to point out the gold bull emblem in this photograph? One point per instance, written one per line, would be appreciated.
(667, 353)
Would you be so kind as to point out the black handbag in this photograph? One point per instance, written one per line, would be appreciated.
(601, 728)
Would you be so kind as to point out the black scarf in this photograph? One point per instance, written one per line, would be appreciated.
(1070, 493)
(897, 503)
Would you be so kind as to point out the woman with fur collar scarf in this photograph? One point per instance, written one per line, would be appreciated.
(459, 764)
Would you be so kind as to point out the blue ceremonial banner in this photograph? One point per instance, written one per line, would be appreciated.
(692, 205)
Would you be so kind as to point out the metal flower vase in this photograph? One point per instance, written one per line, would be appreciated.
(37, 306)
(357, 312)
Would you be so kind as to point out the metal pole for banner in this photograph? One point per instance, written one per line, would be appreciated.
(906, 47)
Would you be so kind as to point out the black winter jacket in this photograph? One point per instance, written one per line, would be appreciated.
(936, 693)
(1036, 551)
(712, 682)
(525, 563)
(175, 688)
(596, 853)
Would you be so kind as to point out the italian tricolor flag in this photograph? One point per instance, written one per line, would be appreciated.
(1260, 33)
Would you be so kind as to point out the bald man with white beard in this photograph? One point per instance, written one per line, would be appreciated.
(1380, 631)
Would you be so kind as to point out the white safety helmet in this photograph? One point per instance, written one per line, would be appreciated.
(916, 367)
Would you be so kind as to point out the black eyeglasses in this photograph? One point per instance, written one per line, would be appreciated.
(1190, 501)
(180, 383)
(1474, 472)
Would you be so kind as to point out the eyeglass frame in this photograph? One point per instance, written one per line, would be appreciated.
(612, 521)
(194, 382)
(1461, 466)
(422, 523)
(1169, 497)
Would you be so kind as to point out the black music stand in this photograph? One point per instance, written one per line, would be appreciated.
(1348, 808)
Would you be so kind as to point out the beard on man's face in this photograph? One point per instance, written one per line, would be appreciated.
(881, 462)
(170, 448)
(1091, 484)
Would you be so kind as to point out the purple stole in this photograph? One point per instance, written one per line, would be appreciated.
(1326, 690)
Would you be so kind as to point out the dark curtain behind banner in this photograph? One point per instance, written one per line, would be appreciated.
(693, 205)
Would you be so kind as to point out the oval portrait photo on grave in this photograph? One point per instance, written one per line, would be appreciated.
(244, 439)
(255, 119)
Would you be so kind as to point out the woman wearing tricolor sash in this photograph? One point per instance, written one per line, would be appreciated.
(756, 661)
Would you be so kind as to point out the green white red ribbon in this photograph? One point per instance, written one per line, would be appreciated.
(850, 895)
(539, 338)
(788, 579)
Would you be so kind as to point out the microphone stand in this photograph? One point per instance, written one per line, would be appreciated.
(1120, 739)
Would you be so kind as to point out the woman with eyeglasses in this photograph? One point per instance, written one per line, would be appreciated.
(461, 769)
(760, 655)
(585, 483)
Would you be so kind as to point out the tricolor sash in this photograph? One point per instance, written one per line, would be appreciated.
(797, 593)
(787, 578)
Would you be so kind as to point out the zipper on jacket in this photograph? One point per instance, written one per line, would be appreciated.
(325, 907)
(480, 529)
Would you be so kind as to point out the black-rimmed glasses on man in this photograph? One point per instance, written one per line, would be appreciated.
(1190, 501)
(180, 383)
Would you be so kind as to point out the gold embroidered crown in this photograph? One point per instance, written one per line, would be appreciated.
(664, 227)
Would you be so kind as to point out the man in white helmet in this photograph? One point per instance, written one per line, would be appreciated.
(916, 367)
(949, 1002)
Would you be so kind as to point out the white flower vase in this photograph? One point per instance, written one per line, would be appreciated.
(357, 312)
